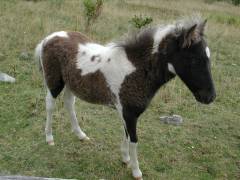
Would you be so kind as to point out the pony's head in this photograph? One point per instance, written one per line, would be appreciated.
(188, 56)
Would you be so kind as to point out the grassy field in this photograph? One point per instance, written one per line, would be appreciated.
(206, 146)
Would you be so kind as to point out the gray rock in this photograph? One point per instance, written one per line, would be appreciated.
(28, 178)
(6, 78)
(174, 120)
(25, 56)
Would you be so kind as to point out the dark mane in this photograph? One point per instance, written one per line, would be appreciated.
(138, 38)
(139, 44)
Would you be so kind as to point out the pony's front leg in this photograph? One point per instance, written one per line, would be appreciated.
(125, 147)
(69, 102)
(131, 123)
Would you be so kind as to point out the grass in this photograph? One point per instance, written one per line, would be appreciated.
(206, 146)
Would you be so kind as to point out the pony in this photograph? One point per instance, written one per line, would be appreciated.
(125, 74)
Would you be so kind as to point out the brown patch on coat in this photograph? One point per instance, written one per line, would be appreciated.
(136, 88)
(165, 42)
(59, 61)
(139, 87)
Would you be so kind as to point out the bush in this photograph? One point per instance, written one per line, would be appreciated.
(139, 21)
(92, 10)
(236, 2)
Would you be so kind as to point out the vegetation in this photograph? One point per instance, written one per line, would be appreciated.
(92, 10)
(140, 21)
(206, 146)
(235, 2)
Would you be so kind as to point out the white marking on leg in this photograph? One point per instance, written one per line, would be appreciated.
(159, 35)
(171, 68)
(69, 101)
(50, 104)
(125, 148)
(136, 172)
(208, 52)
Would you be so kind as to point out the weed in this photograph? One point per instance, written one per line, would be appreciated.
(235, 2)
(92, 10)
(140, 21)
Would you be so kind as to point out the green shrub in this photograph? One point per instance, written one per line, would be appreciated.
(92, 10)
(236, 2)
(140, 21)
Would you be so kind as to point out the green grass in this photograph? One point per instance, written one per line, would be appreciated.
(206, 146)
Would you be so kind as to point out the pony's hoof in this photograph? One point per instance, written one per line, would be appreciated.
(85, 138)
(137, 174)
(51, 143)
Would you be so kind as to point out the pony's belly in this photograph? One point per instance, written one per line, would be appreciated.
(93, 95)
(92, 88)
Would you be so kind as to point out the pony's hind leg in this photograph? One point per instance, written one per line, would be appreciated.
(69, 102)
(50, 104)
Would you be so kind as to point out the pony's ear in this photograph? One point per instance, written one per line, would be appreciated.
(202, 27)
(191, 36)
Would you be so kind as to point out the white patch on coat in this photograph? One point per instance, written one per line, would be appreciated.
(171, 68)
(208, 52)
(59, 34)
(159, 35)
(86, 53)
(113, 63)
(117, 69)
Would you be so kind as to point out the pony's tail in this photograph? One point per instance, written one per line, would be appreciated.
(38, 55)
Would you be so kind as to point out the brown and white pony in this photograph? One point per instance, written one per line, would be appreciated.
(125, 75)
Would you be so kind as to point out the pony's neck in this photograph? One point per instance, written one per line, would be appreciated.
(153, 64)
(158, 73)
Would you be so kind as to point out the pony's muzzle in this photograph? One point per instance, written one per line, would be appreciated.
(205, 96)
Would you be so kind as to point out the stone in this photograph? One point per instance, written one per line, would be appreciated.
(174, 120)
(6, 78)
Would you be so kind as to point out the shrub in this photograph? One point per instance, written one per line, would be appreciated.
(92, 10)
(140, 21)
(236, 2)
